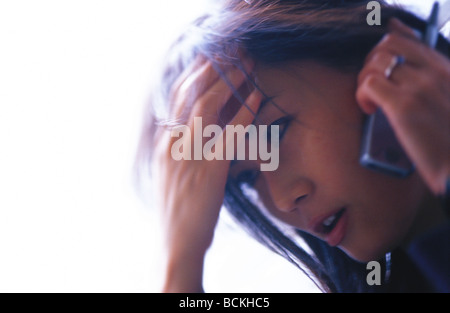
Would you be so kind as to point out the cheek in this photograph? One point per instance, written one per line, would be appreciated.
(331, 135)
(332, 155)
(383, 214)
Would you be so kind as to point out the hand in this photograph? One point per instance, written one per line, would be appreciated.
(192, 191)
(415, 99)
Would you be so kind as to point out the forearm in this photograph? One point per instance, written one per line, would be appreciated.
(184, 273)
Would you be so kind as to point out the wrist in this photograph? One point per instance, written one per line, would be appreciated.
(184, 272)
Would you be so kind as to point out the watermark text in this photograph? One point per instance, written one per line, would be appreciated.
(262, 143)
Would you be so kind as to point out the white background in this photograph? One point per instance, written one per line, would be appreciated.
(74, 76)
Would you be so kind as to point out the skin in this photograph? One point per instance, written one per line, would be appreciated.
(319, 170)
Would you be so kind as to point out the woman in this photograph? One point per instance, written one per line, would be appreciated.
(315, 69)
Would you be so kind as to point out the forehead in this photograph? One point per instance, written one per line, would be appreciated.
(285, 84)
(305, 75)
(303, 82)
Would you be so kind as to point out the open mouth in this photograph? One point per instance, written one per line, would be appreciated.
(330, 222)
(326, 225)
(332, 228)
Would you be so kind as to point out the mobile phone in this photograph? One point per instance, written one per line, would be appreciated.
(380, 148)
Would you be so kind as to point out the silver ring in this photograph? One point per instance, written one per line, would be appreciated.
(396, 60)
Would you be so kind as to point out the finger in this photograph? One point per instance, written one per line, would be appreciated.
(212, 101)
(415, 53)
(190, 85)
(377, 64)
(403, 80)
(376, 91)
(244, 117)
(247, 112)
(402, 74)
(395, 25)
(195, 65)
(376, 67)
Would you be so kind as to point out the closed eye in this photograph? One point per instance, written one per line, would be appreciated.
(283, 123)
(250, 176)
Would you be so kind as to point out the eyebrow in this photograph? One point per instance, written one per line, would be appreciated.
(263, 105)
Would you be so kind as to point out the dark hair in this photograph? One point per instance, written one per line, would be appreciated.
(274, 32)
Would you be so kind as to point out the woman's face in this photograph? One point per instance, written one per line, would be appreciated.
(319, 186)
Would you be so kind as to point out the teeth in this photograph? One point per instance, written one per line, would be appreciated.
(329, 220)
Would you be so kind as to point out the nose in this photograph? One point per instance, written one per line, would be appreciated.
(288, 192)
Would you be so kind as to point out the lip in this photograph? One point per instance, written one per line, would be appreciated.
(337, 234)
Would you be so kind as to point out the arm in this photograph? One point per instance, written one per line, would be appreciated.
(192, 191)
